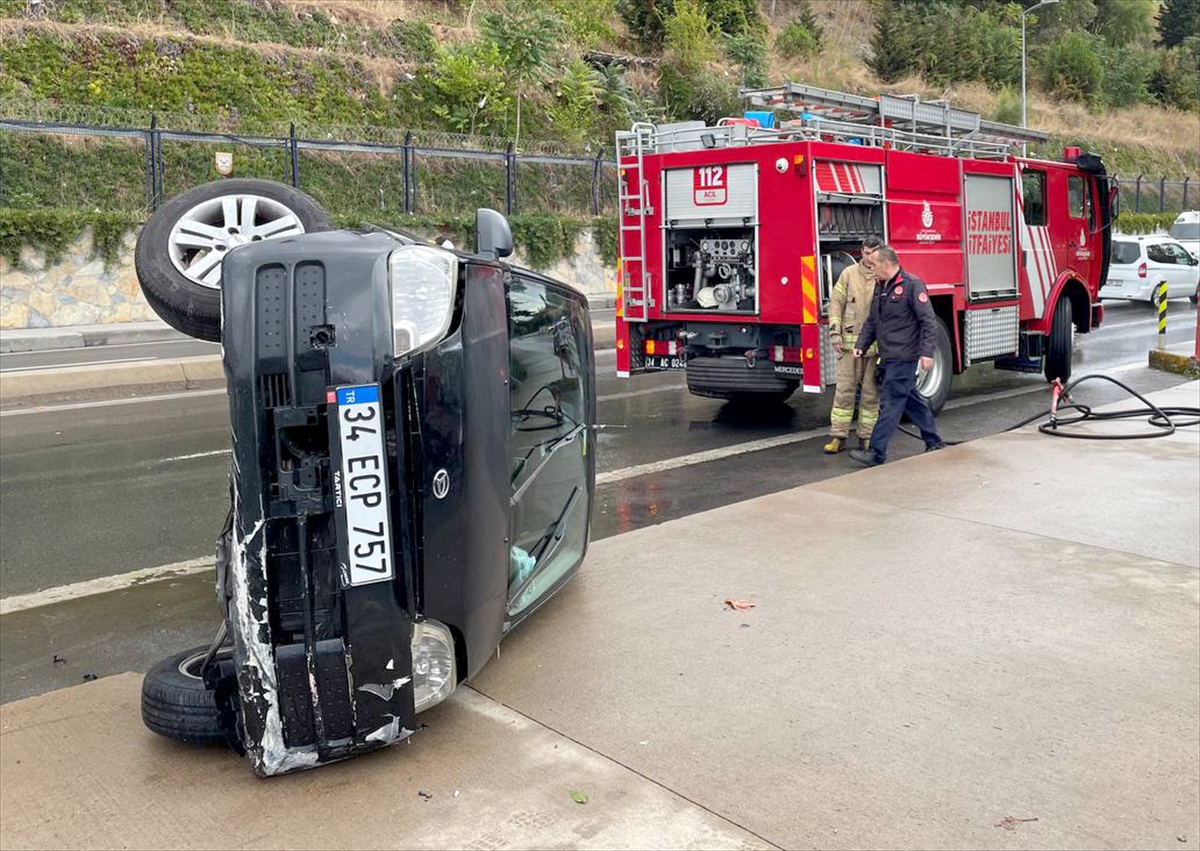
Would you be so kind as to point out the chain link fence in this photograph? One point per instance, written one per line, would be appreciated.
(131, 161)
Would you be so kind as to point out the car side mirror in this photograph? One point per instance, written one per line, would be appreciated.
(1114, 203)
(492, 233)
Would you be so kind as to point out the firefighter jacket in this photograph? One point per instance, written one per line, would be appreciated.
(901, 319)
(850, 304)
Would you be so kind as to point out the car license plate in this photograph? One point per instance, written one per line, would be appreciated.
(665, 362)
(360, 489)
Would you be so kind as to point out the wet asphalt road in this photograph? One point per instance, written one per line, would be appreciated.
(97, 490)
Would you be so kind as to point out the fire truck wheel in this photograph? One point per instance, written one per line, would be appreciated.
(180, 250)
(1057, 362)
(934, 385)
(176, 704)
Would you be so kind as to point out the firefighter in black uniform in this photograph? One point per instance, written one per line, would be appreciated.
(903, 322)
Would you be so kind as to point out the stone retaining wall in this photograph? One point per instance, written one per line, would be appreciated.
(79, 290)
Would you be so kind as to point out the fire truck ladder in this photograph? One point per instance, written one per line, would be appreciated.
(908, 122)
(633, 191)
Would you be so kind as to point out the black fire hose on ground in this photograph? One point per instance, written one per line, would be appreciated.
(1162, 420)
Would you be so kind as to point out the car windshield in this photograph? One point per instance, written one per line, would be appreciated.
(1185, 230)
(1126, 252)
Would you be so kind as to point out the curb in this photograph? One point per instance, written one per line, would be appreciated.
(23, 340)
(176, 374)
(172, 374)
(1179, 364)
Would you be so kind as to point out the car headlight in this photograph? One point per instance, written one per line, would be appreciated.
(423, 282)
(433, 676)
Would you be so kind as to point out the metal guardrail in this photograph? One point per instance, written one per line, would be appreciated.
(405, 145)
(1159, 194)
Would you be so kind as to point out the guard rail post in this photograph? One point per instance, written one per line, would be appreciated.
(596, 181)
(407, 159)
(294, 152)
(510, 179)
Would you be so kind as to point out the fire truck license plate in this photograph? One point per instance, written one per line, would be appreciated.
(665, 362)
(360, 487)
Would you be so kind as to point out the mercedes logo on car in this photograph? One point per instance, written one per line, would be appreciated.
(441, 483)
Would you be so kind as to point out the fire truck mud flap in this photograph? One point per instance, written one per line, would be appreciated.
(737, 378)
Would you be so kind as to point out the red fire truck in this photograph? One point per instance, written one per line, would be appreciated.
(732, 236)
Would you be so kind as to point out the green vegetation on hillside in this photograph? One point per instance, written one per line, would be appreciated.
(567, 72)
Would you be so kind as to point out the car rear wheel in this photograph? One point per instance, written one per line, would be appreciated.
(176, 704)
(181, 249)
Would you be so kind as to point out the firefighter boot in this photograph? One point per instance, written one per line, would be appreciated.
(834, 446)
(864, 443)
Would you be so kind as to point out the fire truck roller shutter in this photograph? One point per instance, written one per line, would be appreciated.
(991, 251)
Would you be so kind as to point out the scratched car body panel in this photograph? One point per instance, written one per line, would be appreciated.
(365, 574)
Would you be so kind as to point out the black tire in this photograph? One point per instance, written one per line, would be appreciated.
(176, 704)
(936, 393)
(1057, 361)
(185, 304)
(729, 378)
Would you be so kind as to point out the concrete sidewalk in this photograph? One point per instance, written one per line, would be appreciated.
(993, 646)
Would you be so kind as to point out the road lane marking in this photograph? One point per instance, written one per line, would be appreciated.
(761, 444)
(103, 585)
(194, 455)
(631, 393)
(92, 587)
(73, 364)
(108, 403)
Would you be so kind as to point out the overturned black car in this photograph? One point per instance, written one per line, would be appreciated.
(412, 474)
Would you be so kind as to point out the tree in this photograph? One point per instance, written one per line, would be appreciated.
(1177, 20)
(525, 36)
(1122, 22)
(576, 95)
(1175, 83)
(1072, 67)
(689, 37)
(469, 87)
(893, 47)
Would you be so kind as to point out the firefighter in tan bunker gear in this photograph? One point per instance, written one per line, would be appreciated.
(848, 309)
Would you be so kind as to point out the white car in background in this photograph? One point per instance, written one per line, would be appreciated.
(1186, 231)
(1140, 263)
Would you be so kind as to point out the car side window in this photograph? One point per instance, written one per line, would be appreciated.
(1180, 254)
(1126, 252)
(1076, 197)
(550, 368)
(1160, 254)
(1033, 197)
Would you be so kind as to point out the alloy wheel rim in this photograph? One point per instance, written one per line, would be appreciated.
(207, 232)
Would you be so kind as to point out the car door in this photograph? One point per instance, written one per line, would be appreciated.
(1181, 280)
(1161, 266)
(552, 381)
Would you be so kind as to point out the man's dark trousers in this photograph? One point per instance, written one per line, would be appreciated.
(899, 396)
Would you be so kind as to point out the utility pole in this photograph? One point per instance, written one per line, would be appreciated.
(1024, 112)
